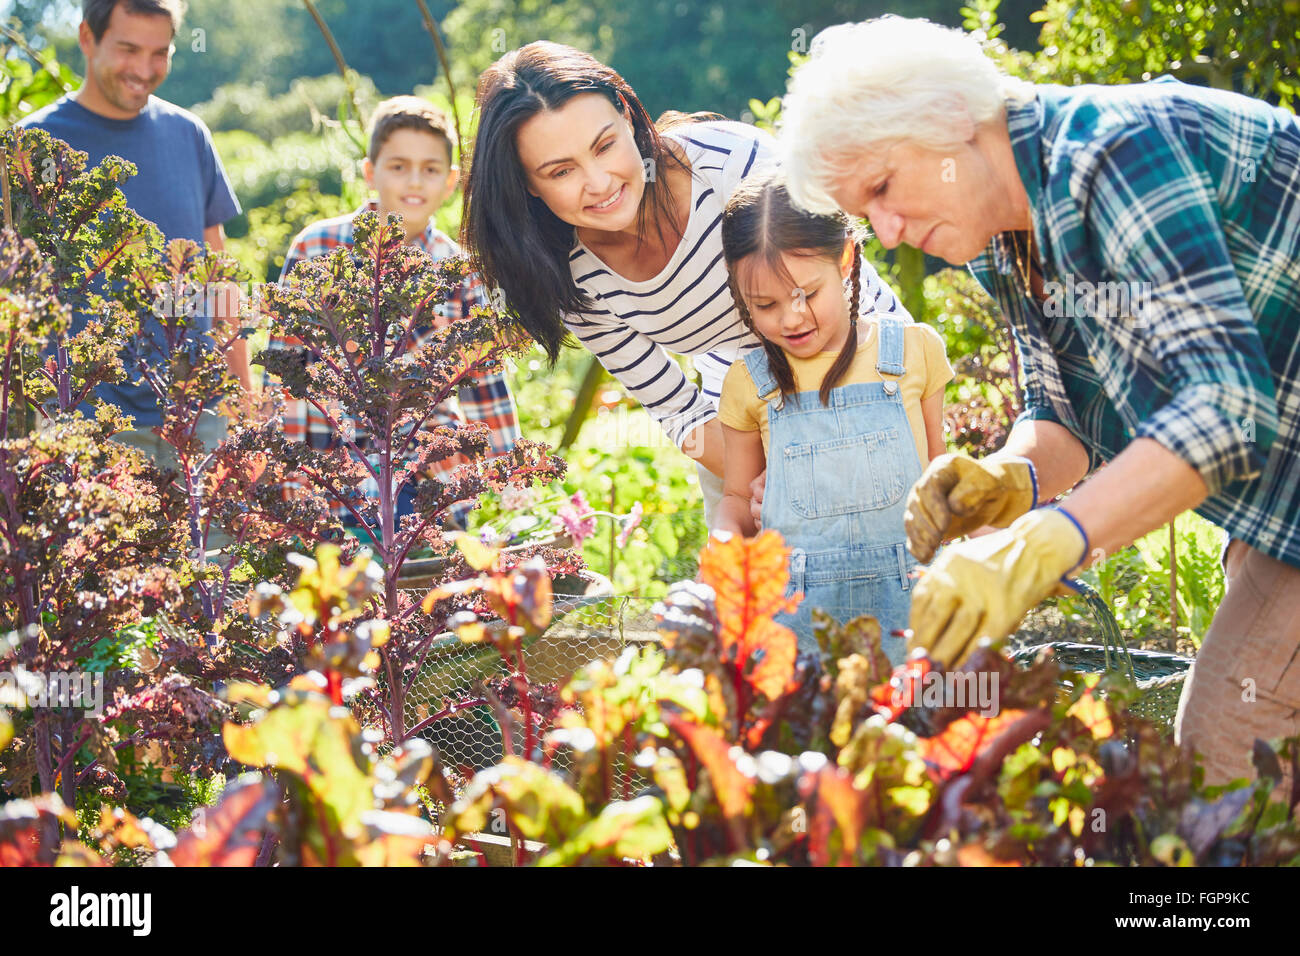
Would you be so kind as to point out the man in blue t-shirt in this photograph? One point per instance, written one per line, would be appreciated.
(181, 185)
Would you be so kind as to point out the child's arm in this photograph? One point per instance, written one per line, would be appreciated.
(744, 463)
(932, 413)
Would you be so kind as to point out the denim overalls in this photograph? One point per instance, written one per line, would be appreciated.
(837, 482)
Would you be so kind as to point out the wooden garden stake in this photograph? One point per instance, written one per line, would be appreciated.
(1173, 580)
(4, 185)
(446, 68)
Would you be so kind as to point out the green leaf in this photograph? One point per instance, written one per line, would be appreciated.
(663, 537)
(538, 804)
(634, 829)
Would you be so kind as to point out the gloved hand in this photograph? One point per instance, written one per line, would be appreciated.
(983, 587)
(957, 495)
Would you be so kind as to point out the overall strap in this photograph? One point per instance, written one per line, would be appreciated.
(760, 371)
(889, 360)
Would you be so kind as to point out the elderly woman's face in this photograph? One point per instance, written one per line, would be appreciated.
(945, 203)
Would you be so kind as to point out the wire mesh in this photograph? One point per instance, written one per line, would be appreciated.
(584, 629)
(689, 533)
(601, 628)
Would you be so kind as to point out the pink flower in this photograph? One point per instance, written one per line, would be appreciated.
(630, 522)
(516, 499)
(577, 518)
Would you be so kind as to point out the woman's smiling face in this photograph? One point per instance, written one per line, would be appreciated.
(583, 162)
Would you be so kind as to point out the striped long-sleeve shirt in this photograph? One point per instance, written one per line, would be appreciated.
(1169, 219)
(687, 309)
(487, 399)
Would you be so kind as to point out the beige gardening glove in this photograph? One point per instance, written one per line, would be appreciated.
(983, 587)
(957, 495)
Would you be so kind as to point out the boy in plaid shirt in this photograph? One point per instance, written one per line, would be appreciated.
(409, 166)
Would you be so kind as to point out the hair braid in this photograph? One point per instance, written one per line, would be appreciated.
(776, 358)
(840, 368)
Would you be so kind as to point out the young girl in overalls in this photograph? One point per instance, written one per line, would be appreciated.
(841, 412)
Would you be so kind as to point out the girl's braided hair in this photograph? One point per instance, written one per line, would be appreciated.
(761, 220)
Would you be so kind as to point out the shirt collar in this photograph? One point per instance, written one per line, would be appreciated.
(1025, 123)
(425, 242)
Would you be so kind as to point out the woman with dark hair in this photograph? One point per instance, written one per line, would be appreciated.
(594, 221)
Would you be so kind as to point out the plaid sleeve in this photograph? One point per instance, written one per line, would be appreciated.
(298, 251)
(1152, 219)
(487, 398)
(1037, 404)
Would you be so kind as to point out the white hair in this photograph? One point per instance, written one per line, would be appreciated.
(873, 84)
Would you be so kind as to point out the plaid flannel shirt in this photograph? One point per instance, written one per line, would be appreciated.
(486, 399)
(1194, 194)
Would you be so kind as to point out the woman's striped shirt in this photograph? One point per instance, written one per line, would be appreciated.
(687, 309)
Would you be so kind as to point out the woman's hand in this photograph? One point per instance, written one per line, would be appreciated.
(756, 489)
(957, 495)
(982, 588)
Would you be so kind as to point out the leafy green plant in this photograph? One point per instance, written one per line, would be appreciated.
(1135, 584)
(354, 313)
(94, 537)
(619, 456)
(672, 754)
(146, 794)
(29, 82)
(982, 402)
(262, 172)
(308, 106)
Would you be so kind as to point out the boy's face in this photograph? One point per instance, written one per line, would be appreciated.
(412, 177)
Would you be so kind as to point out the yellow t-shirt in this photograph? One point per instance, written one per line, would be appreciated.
(926, 372)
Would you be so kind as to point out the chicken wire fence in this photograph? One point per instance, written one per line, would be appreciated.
(585, 629)
(588, 629)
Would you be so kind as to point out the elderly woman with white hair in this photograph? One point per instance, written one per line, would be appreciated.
(1143, 243)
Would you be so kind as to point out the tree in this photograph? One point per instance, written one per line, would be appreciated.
(1249, 46)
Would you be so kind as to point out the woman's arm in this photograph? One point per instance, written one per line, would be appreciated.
(650, 375)
(705, 444)
(932, 413)
(1060, 460)
(1146, 486)
(744, 463)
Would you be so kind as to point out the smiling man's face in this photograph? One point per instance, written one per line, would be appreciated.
(945, 203)
(127, 63)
